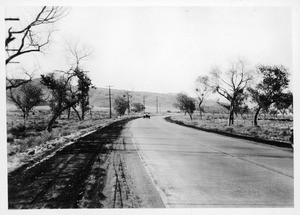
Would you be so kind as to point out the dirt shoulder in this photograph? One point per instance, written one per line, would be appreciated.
(99, 170)
(128, 184)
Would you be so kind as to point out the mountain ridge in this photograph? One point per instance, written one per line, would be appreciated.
(154, 102)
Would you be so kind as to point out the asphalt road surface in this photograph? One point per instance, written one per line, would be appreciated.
(192, 168)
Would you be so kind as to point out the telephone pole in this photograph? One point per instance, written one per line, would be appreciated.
(109, 97)
(156, 104)
(144, 103)
(160, 108)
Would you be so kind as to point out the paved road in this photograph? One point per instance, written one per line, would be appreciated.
(191, 168)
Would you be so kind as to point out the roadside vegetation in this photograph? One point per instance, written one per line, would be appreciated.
(25, 143)
(271, 128)
(256, 102)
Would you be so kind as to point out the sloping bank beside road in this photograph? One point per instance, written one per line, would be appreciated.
(255, 139)
(99, 170)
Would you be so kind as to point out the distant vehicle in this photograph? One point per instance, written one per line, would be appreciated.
(146, 116)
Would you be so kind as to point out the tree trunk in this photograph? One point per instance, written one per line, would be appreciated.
(55, 116)
(51, 122)
(256, 115)
(200, 112)
(231, 115)
(82, 112)
(190, 116)
(69, 112)
(231, 118)
(76, 113)
(24, 117)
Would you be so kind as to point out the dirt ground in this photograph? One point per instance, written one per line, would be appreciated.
(100, 170)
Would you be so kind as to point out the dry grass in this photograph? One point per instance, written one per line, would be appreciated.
(270, 129)
(26, 141)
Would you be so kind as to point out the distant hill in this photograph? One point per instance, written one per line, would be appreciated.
(99, 99)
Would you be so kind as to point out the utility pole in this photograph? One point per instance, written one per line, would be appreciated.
(156, 104)
(144, 103)
(160, 108)
(109, 97)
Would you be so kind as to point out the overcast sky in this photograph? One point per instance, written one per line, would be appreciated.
(164, 49)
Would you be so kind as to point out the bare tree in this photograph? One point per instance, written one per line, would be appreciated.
(78, 53)
(202, 90)
(231, 84)
(31, 38)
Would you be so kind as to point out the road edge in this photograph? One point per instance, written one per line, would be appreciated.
(280, 144)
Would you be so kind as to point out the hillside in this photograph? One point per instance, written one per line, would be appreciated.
(99, 99)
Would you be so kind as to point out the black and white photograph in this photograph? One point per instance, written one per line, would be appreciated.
(185, 107)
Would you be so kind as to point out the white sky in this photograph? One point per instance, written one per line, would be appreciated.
(164, 49)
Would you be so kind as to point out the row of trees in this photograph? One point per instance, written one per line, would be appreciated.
(264, 87)
(62, 94)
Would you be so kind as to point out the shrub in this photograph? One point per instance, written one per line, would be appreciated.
(229, 129)
(10, 137)
(253, 133)
(65, 133)
(17, 129)
(39, 140)
(82, 126)
(30, 141)
(20, 145)
(40, 127)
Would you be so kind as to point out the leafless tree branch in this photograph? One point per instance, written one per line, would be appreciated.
(28, 41)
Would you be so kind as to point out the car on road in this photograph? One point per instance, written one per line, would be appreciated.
(146, 116)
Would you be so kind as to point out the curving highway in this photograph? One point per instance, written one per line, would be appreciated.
(192, 168)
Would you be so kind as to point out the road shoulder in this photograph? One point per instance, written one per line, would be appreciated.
(128, 184)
